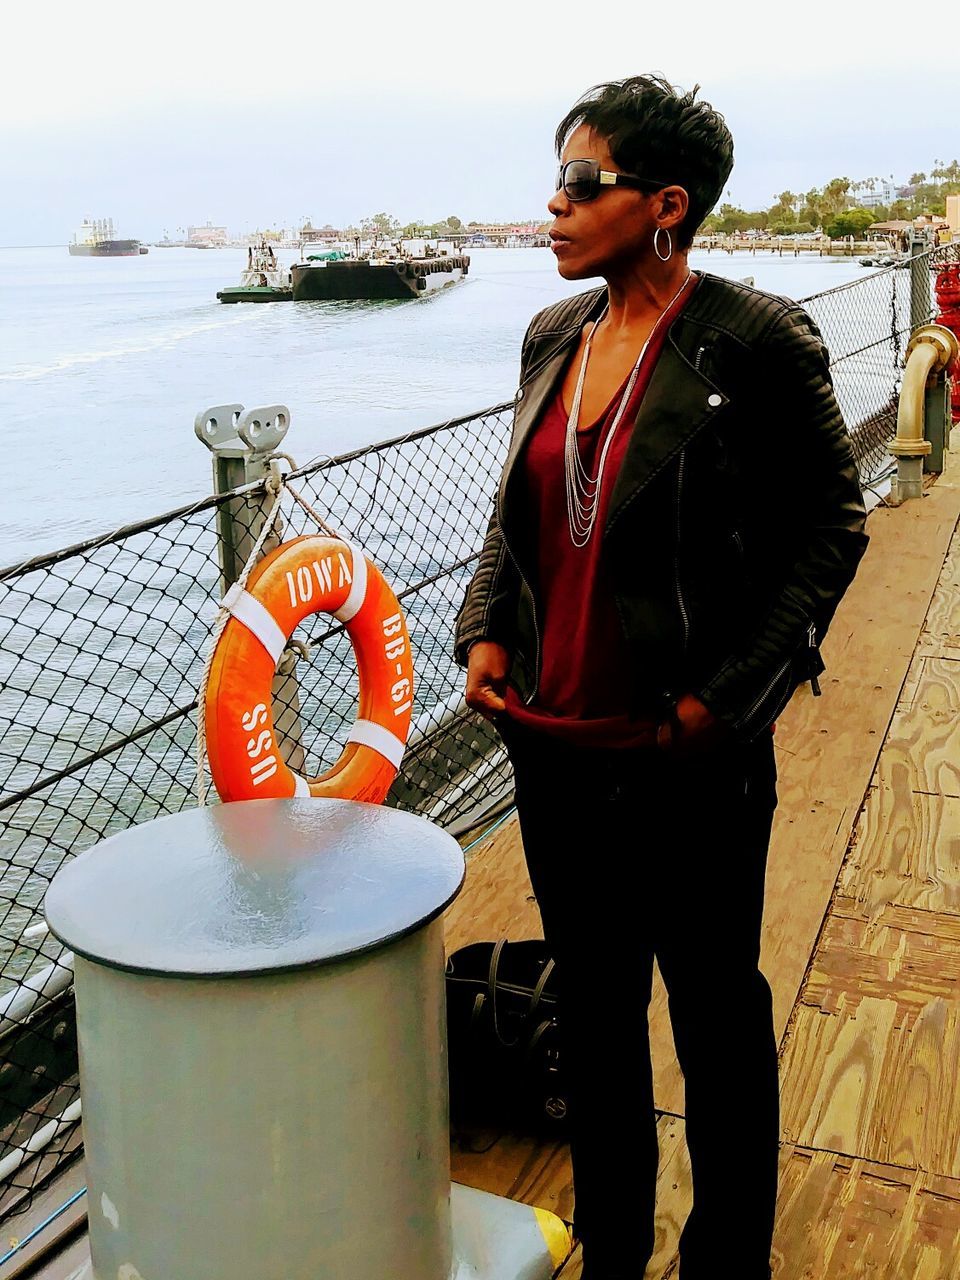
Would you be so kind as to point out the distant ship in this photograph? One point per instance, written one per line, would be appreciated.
(95, 238)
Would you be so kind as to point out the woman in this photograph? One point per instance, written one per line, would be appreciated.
(678, 517)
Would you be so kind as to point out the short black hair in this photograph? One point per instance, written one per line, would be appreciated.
(655, 130)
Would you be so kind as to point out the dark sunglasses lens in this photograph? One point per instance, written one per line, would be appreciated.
(580, 180)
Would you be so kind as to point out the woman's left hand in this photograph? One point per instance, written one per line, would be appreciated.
(692, 730)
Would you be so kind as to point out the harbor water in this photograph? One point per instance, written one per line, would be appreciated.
(105, 362)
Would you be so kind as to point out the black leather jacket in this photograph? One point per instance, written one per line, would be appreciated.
(736, 522)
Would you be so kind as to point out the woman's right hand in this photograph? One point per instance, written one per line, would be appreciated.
(488, 665)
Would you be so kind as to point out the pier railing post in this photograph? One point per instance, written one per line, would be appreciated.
(920, 308)
(242, 442)
(936, 415)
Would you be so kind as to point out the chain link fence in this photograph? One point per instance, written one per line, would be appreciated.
(102, 645)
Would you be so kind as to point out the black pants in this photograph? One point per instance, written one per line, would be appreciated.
(634, 855)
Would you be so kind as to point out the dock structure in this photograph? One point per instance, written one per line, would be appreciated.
(820, 245)
(861, 941)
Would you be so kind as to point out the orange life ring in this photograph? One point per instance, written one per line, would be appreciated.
(308, 575)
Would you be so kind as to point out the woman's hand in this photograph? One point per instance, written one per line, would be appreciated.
(488, 665)
(692, 730)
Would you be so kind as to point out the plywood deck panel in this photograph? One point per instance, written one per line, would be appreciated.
(841, 1216)
(838, 1218)
(497, 898)
(922, 751)
(518, 1166)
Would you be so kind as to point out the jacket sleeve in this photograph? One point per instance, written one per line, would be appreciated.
(828, 536)
(489, 605)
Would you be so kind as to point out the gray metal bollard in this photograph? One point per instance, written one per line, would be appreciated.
(262, 1040)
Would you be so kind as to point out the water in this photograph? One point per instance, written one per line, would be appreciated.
(105, 363)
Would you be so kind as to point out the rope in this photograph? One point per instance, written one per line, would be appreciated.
(311, 511)
(321, 523)
(275, 483)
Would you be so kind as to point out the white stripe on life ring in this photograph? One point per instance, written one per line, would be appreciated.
(370, 734)
(358, 588)
(257, 619)
(301, 787)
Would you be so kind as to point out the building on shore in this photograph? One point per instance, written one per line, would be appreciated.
(882, 195)
(899, 229)
(309, 234)
(511, 235)
(207, 234)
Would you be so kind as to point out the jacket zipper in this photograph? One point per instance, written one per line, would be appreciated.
(536, 630)
(812, 643)
(781, 670)
(676, 556)
(760, 700)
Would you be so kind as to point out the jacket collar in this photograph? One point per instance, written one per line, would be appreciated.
(678, 402)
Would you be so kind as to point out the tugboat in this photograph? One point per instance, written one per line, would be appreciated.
(263, 280)
(376, 275)
(95, 238)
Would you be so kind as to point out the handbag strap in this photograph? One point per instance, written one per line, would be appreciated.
(538, 989)
(535, 998)
(537, 1036)
(492, 989)
(478, 1002)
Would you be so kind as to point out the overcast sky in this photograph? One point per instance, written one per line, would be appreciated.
(257, 115)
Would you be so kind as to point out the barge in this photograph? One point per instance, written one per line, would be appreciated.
(376, 278)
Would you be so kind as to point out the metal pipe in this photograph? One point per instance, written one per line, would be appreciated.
(930, 351)
(37, 1141)
(17, 1005)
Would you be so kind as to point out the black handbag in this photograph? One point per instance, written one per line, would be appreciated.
(504, 1057)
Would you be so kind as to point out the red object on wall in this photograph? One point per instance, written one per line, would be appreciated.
(948, 300)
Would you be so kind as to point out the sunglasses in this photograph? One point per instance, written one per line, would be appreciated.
(584, 180)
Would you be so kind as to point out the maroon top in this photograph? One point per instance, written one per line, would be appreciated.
(585, 661)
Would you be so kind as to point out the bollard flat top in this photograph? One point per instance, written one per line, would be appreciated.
(254, 886)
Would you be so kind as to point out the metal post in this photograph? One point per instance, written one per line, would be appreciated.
(242, 442)
(920, 307)
(936, 415)
(262, 1031)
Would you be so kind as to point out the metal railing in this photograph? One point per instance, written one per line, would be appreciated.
(102, 644)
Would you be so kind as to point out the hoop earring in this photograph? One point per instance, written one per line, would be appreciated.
(656, 244)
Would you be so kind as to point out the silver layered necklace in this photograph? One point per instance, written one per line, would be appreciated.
(583, 490)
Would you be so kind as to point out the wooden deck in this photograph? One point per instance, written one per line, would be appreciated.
(861, 940)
